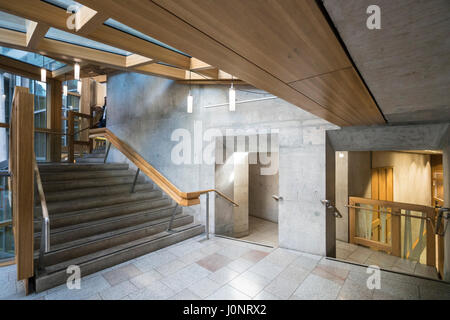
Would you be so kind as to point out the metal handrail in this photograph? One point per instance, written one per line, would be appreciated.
(45, 230)
(217, 192)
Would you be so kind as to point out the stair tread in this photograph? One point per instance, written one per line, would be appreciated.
(76, 167)
(116, 249)
(97, 201)
(54, 196)
(76, 184)
(109, 234)
(80, 175)
(74, 228)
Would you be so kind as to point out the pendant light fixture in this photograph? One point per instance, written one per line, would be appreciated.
(65, 89)
(190, 98)
(232, 97)
(76, 71)
(79, 86)
(43, 71)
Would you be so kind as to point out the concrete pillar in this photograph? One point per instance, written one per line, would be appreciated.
(446, 165)
(240, 214)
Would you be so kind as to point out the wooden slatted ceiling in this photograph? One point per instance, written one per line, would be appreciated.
(273, 45)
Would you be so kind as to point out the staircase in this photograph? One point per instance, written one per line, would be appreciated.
(97, 222)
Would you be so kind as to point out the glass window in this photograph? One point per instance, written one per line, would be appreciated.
(31, 58)
(64, 4)
(8, 21)
(59, 35)
(121, 27)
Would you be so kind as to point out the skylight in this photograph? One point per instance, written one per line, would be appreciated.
(64, 4)
(59, 35)
(11, 22)
(31, 58)
(121, 27)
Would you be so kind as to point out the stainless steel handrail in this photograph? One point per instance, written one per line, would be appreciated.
(45, 229)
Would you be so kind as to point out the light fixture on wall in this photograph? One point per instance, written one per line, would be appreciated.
(232, 97)
(79, 86)
(43, 71)
(341, 155)
(76, 71)
(190, 98)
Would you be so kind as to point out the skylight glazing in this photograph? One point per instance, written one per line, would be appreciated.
(59, 35)
(11, 22)
(31, 58)
(65, 4)
(121, 27)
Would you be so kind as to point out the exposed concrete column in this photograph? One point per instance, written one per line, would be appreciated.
(446, 164)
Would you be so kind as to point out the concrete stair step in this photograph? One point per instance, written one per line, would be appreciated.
(51, 186)
(89, 192)
(87, 229)
(89, 160)
(88, 215)
(102, 241)
(56, 274)
(79, 175)
(46, 168)
(96, 201)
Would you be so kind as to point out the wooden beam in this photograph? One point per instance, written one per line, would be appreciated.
(89, 20)
(136, 60)
(162, 70)
(197, 64)
(55, 17)
(35, 33)
(209, 73)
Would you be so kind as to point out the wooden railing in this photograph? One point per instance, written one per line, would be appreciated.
(182, 198)
(396, 210)
(21, 165)
(72, 118)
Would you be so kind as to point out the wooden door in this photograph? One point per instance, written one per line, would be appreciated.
(382, 189)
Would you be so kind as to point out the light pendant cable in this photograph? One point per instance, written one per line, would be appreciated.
(232, 97)
(43, 71)
(190, 98)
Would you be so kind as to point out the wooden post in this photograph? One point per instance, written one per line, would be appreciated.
(352, 221)
(70, 137)
(55, 119)
(22, 168)
(431, 239)
(396, 231)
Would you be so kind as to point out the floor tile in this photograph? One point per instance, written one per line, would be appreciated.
(254, 255)
(224, 275)
(240, 265)
(352, 290)
(171, 267)
(281, 287)
(119, 291)
(227, 292)
(317, 288)
(264, 295)
(186, 294)
(335, 274)
(145, 279)
(155, 291)
(266, 269)
(124, 273)
(249, 283)
(214, 262)
(204, 287)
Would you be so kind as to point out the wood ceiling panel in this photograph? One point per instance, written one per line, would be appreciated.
(151, 19)
(342, 92)
(290, 38)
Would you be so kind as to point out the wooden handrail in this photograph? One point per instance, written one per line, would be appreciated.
(184, 199)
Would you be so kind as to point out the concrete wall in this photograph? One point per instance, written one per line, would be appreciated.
(261, 190)
(145, 110)
(412, 175)
(241, 194)
(353, 178)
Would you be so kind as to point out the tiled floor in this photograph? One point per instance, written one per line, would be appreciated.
(227, 269)
(262, 231)
(362, 255)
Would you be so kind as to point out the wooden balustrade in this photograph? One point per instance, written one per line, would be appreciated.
(394, 209)
(182, 198)
(21, 164)
(71, 134)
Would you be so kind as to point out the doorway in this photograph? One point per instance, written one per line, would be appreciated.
(388, 201)
(251, 178)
